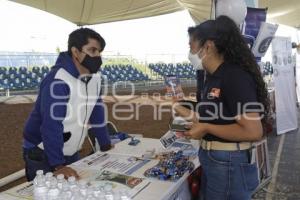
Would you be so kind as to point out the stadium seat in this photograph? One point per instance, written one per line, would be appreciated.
(3, 70)
(28, 83)
(12, 70)
(22, 69)
(36, 70)
(45, 69)
(5, 83)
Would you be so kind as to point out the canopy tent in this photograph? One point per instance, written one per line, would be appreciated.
(282, 12)
(87, 12)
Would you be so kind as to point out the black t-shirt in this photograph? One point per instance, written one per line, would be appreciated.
(226, 92)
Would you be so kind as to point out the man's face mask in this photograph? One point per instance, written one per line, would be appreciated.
(92, 63)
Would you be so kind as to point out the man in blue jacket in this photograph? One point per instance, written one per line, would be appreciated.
(67, 104)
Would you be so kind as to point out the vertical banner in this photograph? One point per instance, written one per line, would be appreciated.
(254, 18)
(297, 63)
(285, 95)
(264, 38)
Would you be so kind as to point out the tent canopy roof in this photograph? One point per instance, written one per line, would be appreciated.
(282, 12)
(87, 12)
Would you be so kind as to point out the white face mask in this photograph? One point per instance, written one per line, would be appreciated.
(195, 60)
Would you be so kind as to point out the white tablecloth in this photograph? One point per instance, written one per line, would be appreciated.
(163, 190)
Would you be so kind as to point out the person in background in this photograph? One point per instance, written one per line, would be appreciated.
(68, 101)
(231, 112)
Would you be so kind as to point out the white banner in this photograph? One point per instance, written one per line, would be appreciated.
(264, 39)
(298, 75)
(285, 91)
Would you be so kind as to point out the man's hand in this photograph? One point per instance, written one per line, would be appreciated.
(196, 130)
(66, 171)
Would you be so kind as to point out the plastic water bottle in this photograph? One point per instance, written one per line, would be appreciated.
(53, 192)
(48, 177)
(90, 194)
(39, 175)
(76, 195)
(66, 193)
(72, 182)
(108, 192)
(60, 180)
(97, 191)
(40, 190)
(101, 186)
(117, 196)
(124, 194)
(101, 197)
(82, 184)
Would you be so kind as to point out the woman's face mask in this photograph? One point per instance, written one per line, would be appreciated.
(195, 60)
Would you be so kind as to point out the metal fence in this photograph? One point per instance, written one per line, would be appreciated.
(11, 59)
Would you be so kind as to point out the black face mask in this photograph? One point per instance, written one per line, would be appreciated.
(92, 63)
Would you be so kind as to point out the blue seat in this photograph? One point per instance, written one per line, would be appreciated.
(23, 76)
(130, 77)
(12, 76)
(22, 69)
(121, 76)
(28, 83)
(5, 83)
(104, 72)
(151, 65)
(3, 70)
(45, 69)
(18, 74)
(2, 76)
(14, 84)
(12, 70)
(43, 75)
(36, 70)
(39, 80)
(109, 78)
(113, 77)
(6, 74)
(1, 80)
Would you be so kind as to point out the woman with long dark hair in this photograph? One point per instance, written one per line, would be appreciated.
(231, 111)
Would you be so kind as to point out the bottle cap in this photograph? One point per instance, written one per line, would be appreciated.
(49, 174)
(39, 172)
(71, 179)
(60, 177)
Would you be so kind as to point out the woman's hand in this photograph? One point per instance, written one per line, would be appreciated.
(185, 113)
(196, 130)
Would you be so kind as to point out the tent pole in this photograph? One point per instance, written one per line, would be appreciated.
(213, 14)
